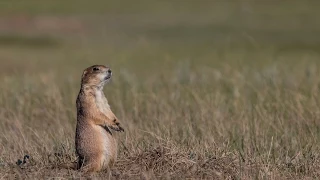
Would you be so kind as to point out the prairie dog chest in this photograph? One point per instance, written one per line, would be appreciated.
(102, 103)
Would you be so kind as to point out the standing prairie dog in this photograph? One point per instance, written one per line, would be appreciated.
(95, 145)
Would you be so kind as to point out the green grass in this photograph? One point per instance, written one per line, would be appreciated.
(206, 89)
(26, 41)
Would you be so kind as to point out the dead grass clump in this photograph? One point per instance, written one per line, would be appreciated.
(166, 162)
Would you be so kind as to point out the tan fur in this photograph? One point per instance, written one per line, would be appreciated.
(95, 145)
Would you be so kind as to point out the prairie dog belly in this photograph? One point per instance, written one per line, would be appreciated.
(108, 146)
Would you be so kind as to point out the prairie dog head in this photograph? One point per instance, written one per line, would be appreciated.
(96, 75)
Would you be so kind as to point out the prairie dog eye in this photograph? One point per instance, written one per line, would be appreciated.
(95, 69)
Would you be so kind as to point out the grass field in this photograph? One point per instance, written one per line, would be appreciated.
(204, 89)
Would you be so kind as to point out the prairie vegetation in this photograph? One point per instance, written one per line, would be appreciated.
(204, 90)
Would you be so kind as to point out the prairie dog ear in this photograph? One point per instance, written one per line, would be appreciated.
(84, 73)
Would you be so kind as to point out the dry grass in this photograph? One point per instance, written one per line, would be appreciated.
(201, 94)
(229, 124)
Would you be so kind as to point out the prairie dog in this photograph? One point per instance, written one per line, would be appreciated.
(95, 145)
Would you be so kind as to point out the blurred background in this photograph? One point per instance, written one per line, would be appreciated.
(142, 37)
